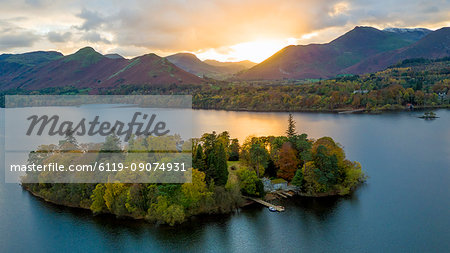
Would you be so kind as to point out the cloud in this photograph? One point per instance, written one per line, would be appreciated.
(92, 19)
(59, 37)
(12, 36)
(94, 37)
(198, 25)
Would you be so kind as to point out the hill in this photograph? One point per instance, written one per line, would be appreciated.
(233, 66)
(209, 68)
(434, 45)
(338, 56)
(89, 69)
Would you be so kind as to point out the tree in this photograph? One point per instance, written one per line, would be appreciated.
(291, 127)
(217, 167)
(69, 142)
(215, 158)
(221, 165)
(112, 144)
(271, 170)
(332, 148)
(98, 203)
(288, 162)
(310, 182)
(234, 150)
(198, 161)
(116, 197)
(224, 138)
(298, 178)
(327, 167)
(136, 203)
(303, 147)
(165, 211)
(196, 191)
(248, 181)
(258, 157)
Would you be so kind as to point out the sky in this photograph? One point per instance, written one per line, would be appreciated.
(225, 30)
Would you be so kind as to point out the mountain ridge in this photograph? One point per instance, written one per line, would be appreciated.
(209, 68)
(87, 68)
(330, 59)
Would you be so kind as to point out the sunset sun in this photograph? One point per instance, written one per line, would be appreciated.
(255, 51)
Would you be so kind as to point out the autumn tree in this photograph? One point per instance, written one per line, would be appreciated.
(136, 203)
(196, 191)
(288, 162)
(98, 203)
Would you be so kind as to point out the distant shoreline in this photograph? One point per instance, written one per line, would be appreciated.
(340, 110)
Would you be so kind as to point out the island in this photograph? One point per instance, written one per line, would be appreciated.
(429, 115)
(225, 175)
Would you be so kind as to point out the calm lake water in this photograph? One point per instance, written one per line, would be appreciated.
(404, 206)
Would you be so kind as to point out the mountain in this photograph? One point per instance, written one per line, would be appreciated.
(114, 56)
(210, 68)
(329, 59)
(13, 65)
(89, 69)
(409, 34)
(434, 45)
(190, 63)
(32, 58)
(233, 67)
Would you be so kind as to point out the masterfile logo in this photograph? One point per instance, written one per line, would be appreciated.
(98, 139)
(146, 127)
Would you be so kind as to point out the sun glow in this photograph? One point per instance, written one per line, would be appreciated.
(255, 51)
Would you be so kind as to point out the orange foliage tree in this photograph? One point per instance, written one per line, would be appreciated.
(287, 162)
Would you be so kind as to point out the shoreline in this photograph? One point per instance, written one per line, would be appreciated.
(331, 111)
(270, 196)
(334, 111)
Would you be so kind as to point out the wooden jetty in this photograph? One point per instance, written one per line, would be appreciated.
(281, 195)
(264, 203)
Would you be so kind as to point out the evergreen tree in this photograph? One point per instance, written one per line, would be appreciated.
(234, 150)
(217, 167)
(298, 178)
(222, 166)
(271, 170)
(290, 132)
(198, 161)
(112, 144)
(303, 147)
(69, 142)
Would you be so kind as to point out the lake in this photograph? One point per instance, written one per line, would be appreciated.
(403, 207)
